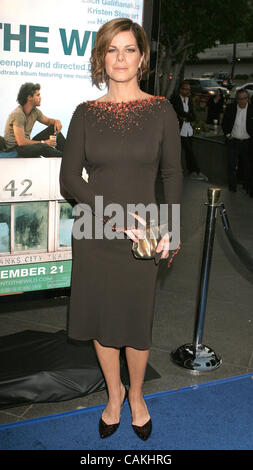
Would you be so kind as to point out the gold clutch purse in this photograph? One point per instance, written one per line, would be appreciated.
(145, 248)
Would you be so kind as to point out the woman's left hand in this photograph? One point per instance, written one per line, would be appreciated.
(164, 246)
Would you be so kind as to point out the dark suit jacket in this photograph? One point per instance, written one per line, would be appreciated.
(179, 108)
(229, 119)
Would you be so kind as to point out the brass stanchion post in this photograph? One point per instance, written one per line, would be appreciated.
(195, 356)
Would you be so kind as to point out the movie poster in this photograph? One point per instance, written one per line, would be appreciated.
(49, 42)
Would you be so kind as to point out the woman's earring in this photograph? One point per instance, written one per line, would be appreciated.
(139, 75)
(104, 77)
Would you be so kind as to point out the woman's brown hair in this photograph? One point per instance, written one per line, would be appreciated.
(103, 40)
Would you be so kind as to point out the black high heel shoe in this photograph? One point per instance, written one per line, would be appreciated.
(143, 432)
(106, 430)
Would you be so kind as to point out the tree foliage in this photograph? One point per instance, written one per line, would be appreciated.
(188, 27)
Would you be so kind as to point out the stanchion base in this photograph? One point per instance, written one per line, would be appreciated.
(202, 359)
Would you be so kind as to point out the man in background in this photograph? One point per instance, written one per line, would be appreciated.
(237, 126)
(49, 143)
(183, 106)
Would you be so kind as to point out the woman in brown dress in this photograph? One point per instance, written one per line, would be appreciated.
(120, 139)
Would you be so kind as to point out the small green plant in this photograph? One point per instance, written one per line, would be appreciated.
(200, 127)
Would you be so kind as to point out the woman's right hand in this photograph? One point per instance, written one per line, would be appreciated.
(134, 233)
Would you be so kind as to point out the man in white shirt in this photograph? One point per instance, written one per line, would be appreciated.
(238, 128)
(185, 113)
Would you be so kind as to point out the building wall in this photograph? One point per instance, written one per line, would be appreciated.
(225, 51)
(217, 59)
(197, 70)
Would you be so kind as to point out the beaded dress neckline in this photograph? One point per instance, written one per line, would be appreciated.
(120, 103)
(123, 116)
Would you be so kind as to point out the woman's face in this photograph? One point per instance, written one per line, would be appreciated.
(123, 57)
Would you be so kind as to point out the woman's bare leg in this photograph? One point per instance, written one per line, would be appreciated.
(137, 362)
(110, 364)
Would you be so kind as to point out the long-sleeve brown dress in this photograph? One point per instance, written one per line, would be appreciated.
(121, 145)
